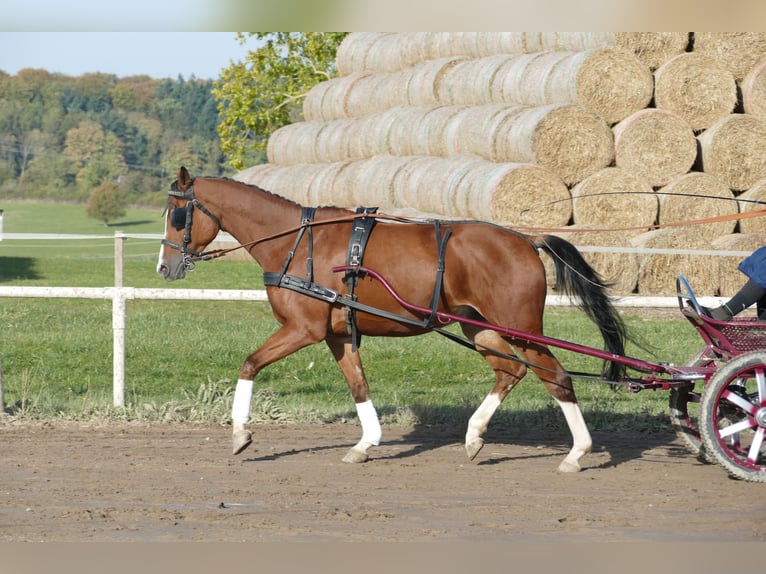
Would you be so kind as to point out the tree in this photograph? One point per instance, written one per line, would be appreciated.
(105, 203)
(265, 92)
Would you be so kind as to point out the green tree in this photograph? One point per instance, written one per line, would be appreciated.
(265, 92)
(106, 203)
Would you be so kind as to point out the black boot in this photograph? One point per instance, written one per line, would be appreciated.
(750, 293)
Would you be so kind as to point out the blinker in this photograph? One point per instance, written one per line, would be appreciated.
(178, 218)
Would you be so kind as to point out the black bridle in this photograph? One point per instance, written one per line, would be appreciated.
(181, 218)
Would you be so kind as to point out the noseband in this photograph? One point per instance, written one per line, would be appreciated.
(181, 218)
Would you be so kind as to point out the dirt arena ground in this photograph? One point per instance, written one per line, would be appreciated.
(66, 482)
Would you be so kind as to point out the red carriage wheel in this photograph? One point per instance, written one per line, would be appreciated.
(733, 416)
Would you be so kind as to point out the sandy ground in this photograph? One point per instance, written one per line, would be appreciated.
(66, 482)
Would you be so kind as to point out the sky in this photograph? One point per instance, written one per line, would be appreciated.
(157, 54)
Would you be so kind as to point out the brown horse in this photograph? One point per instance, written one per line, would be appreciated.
(489, 274)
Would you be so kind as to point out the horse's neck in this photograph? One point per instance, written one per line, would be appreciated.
(250, 214)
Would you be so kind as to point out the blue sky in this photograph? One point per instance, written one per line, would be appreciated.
(158, 54)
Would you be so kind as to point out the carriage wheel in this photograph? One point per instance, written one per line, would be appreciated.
(733, 416)
(684, 416)
(685, 407)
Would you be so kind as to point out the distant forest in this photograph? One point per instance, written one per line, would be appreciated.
(62, 136)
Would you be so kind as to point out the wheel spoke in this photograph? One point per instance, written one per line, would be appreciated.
(755, 448)
(760, 378)
(740, 401)
(737, 427)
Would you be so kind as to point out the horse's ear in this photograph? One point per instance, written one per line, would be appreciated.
(184, 179)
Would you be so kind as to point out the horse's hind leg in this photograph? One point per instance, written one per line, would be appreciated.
(559, 385)
(351, 366)
(507, 374)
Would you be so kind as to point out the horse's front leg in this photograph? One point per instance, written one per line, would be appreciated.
(282, 343)
(351, 366)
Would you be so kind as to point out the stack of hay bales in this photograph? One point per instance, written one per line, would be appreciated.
(603, 136)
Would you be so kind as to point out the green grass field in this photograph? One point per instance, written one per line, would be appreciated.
(182, 356)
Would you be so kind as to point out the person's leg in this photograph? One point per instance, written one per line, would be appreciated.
(750, 293)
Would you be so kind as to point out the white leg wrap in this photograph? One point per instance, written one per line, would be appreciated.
(368, 417)
(240, 408)
(478, 422)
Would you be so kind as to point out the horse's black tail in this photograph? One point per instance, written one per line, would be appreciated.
(576, 278)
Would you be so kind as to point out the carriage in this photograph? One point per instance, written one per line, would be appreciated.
(335, 275)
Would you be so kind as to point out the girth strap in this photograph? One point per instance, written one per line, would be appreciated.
(441, 245)
(357, 243)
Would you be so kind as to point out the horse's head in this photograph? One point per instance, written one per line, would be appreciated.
(189, 228)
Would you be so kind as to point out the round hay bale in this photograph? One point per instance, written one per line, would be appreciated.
(694, 196)
(738, 52)
(611, 82)
(658, 271)
(653, 48)
(753, 89)
(470, 82)
(732, 149)
(414, 186)
(566, 139)
(321, 187)
(425, 81)
(256, 175)
(377, 183)
(527, 79)
(469, 131)
(697, 88)
(619, 270)
(731, 278)
(512, 194)
(373, 93)
(656, 144)
(614, 198)
(354, 52)
(278, 148)
(328, 100)
(332, 142)
(754, 199)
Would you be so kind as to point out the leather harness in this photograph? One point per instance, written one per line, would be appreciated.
(360, 234)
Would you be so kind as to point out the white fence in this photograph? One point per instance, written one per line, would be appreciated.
(120, 294)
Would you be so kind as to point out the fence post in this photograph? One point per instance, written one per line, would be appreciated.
(2, 397)
(118, 322)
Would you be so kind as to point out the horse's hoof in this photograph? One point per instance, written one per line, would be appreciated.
(473, 447)
(240, 440)
(356, 456)
(569, 466)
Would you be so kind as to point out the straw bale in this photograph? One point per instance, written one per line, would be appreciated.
(512, 194)
(731, 278)
(425, 83)
(753, 89)
(472, 130)
(328, 100)
(653, 48)
(566, 139)
(656, 144)
(414, 185)
(658, 271)
(732, 149)
(738, 52)
(747, 203)
(470, 81)
(610, 82)
(614, 198)
(278, 148)
(619, 270)
(676, 205)
(697, 88)
(321, 186)
(354, 51)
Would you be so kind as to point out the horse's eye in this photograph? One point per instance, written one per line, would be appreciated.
(178, 218)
